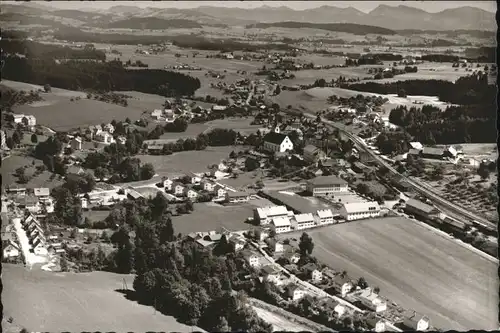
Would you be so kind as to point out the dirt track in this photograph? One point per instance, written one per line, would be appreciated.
(416, 268)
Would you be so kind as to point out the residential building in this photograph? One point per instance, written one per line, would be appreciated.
(154, 148)
(304, 221)
(167, 184)
(342, 284)
(294, 292)
(18, 118)
(190, 193)
(274, 245)
(325, 216)
(326, 186)
(109, 128)
(76, 143)
(313, 154)
(237, 242)
(375, 323)
(157, 114)
(251, 258)
(415, 321)
(42, 193)
(416, 145)
(264, 215)
(29, 120)
(31, 204)
(18, 190)
(10, 249)
(38, 247)
(178, 189)
(105, 137)
(372, 301)
(281, 224)
(237, 197)
(292, 256)
(219, 108)
(220, 191)
(277, 142)
(420, 209)
(338, 308)
(360, 210)
(208, 185)
(313, 273)
(271, 274)
(3, 139)
(84, 202)
(195, 179)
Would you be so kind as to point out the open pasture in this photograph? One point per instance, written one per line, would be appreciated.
(10, 164)
(211, 216)
(187, 161)
(415, 267)
(47, 301)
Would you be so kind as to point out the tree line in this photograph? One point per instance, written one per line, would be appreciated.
(472, 89)
(37, 50)
(108, 76)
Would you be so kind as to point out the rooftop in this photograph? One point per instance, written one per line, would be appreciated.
(273, 137)
(325, 213)
(271, 211)
(327, 180)
(281, 221)
(420, 206)
(42, 191)
(360, 207)
(433, 151)
(303, 218)
(270, 269)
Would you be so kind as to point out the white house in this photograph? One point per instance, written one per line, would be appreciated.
(303, 221)
(251, 258)
(10, 249)
(325, 216)
(220, 191)
(121, 140)
(84, 202)
(195, 179)
(191, 194)
(219, 108)
(343, 284)
(264, 215)
(76, 143)
(326, 186)
(277, 142)
(375, 323)
(237, 243)
(360, 210)
(416, 145)
(157, 114)
(237, 197)
(109, 128)
(295, 293)
(18, 118)
(281, 224)
(29, 120)
(167, 184)
(415, 321)
(178, 189)
(39, 247)
(316, 276)
(208, 186)
(104, 137)
(372, 301)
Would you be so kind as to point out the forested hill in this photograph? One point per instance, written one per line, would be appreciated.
(100, 76)
(153, 23)
(356, 29)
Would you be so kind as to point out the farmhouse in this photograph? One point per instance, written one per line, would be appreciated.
(359, 210)
(277, 142)
(325, 216)
(304, 221)
(76, 143)
(264, 215)
(251, 258)
(420, 209)
(281, 224)
(313, 153)
(326, 186)
(415, 321)
(237, 197)
(294, 292)
(10, 249)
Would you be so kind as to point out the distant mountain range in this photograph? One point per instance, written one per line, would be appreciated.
(389, 17)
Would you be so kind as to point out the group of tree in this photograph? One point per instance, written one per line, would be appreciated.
(99, 76)
(456, 124)
(10, 97)
(393, 143)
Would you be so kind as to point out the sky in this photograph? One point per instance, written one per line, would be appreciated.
(365, 6)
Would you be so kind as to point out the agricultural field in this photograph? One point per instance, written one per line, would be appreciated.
(187, 161)
(212, 216)
(279, 322)
(53, 299)
(10, 164)
(415, 267)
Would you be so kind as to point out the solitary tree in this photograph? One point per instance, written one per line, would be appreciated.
(47, 88)
(34, 138)
(306, 244)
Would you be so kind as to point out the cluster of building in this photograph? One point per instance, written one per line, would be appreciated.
(10, 246)
(164, 115)
(27, 120)
(35, 235)
(442, 153)
(35, 201)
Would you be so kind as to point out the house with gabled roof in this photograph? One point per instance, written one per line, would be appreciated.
(415, 321)
(295, 292)
(313, 154)
(277, 142)
(375, 323)
(360, 210)
(342, 284)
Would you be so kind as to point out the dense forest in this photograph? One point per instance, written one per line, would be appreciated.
(108, 76)
(356, 29)
(469, 90)
(47, 51)
(457, 124)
